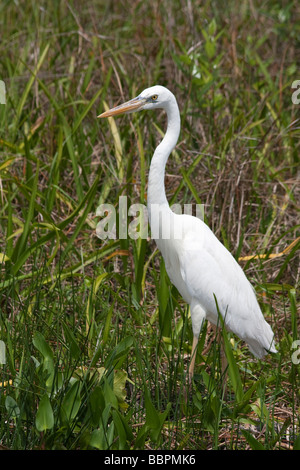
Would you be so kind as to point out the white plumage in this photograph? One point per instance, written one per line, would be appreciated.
(197, 263)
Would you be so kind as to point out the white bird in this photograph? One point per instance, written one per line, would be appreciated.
(198, 264)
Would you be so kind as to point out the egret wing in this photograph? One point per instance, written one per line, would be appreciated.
(211, 275)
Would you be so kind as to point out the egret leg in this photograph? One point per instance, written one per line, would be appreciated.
(193, 357)
(198, 315)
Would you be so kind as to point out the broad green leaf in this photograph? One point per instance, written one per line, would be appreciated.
(12, 407)
(71, 340)
(48, 363)
(120, 379)
(44, 417)
(41, 344)
(152, 416)
(97, 404)
(103, 437)
(71, 402)
(154, 419)
(97, 439)
(109, 395)
(123, 430)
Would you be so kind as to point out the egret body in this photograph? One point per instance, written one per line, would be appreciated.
(198, 264)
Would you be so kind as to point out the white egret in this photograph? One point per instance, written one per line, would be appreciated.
(197, 263)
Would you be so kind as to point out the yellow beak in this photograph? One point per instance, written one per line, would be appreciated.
(127, 107)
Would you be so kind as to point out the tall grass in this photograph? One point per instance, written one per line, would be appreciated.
(95, 341)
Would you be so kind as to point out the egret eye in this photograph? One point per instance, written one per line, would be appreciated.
(154, 97)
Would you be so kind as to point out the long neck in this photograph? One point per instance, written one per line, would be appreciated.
(156, 182)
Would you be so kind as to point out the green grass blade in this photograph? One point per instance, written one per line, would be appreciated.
(20, 247)
(233, 370)
(30, 84)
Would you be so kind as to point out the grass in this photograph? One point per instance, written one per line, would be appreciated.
(95, 340)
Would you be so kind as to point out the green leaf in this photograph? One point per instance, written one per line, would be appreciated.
(41, 344)
(233, 370)
(123, 431)
(3, 258)
(120, 379)
(44, 417)
(102, 438)
(48, 363)
(12, 407)
(109, 395)
(154, 419)
(71, 402)
(120, 352)
(97, 439)
(212, 27)
(71, 340)
(97, 405)
(152, 416)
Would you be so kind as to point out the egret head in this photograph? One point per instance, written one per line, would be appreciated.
(154, 97)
